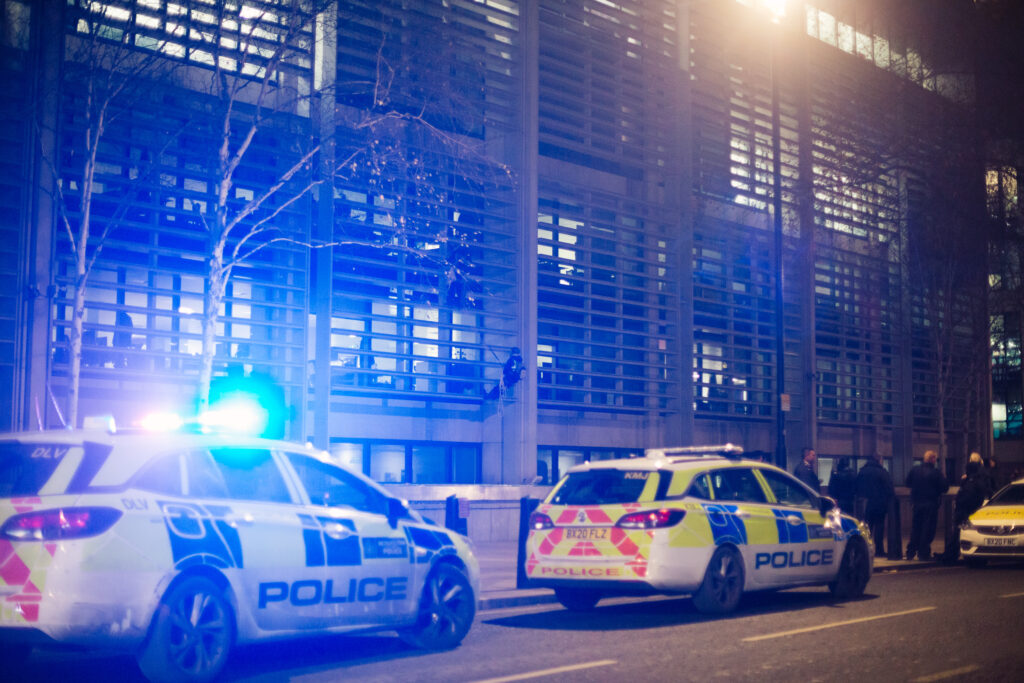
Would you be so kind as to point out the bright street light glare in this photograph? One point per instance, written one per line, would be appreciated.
(776, 7)
(161, 422)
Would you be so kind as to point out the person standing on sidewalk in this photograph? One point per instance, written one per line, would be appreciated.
(874, 486)
(983, 475)
(927, 484)
(973, 492)
(842, 485)
(806, 471)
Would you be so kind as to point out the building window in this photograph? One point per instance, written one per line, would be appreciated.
(411, 463)
(553, 462)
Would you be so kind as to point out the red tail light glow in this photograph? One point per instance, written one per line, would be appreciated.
(540, 521)
(651, 519)
(59, 524)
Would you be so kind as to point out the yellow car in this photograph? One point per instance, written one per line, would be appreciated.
(691, 520)
(996, 529)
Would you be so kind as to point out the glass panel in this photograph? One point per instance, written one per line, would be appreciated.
(737, 484)
(335, 487)
(567, 459)
(601, 487)
(465, 465)
(387, 463)
(428, 465)
(545, 466)
(348, 455)
(251, 474)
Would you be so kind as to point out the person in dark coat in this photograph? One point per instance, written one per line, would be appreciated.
(984, 475)
(972, 493)
(874, 487)
(927, 484)
(806, 471)
(842, 485)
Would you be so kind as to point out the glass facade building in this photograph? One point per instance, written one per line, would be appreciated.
(696, 220)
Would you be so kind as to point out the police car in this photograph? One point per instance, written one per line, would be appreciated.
(996, 529)
(691, 520)
(179, 546)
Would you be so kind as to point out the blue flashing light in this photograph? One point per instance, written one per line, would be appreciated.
(238, 414)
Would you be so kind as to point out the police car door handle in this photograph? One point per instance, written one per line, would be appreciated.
(336, 531)
(741, 513)
(241, 520)
(794, 520)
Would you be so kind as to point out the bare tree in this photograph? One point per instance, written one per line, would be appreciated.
(108, 66)
(260, 83)
(918, 174)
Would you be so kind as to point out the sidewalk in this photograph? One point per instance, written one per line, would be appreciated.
(498, 575)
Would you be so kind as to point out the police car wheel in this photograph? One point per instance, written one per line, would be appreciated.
(191, 634)
(577, 599)
(722, 587)
(854, 571)
(447, 609)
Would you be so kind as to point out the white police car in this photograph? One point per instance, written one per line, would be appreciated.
(179, 546)
(691, 520)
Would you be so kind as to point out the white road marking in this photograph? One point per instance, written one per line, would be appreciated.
(811, 629)
(1012, 595)
(549, 672)
(942, 675)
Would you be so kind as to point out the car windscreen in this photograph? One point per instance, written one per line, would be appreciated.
(26, 467)
(597, 487)
(1011, 495)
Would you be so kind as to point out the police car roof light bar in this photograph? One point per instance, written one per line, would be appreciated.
(103, 423)
(728, 450)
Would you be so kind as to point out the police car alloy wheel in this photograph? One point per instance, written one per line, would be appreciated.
(446, 611)
(192, 633)
(722, 587)
(577, 599)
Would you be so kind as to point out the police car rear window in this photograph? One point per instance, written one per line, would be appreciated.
(598, 487)
(26, 467)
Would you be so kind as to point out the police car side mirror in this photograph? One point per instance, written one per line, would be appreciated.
(826, 504)
(397, 510)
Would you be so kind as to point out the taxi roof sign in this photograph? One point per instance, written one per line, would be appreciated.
(727, 450)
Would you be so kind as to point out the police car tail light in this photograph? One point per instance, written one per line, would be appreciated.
(651, 519)
(540, 521)
(61, 524)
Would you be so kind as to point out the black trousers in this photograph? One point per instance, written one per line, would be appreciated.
(875, 519)
(922, 530)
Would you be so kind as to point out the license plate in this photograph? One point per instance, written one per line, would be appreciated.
(1000, 541)
(588, 534)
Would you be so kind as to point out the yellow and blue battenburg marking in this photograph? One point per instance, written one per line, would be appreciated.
(789, 533)
(726, 527)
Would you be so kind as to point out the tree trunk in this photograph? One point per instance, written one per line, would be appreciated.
(75, 352)
(211, 310)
